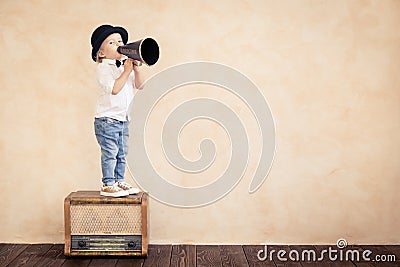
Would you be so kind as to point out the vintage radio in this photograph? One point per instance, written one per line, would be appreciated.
(100, 226)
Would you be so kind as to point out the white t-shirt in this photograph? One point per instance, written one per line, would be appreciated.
(109, 105)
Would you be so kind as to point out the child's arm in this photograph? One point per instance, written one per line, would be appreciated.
(120, 82)
(139, 79)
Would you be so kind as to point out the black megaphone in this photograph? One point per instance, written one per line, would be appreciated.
(145, 50)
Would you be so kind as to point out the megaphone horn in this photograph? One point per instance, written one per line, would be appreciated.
(145, 50)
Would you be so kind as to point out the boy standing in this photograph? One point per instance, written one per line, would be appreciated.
(116, 83)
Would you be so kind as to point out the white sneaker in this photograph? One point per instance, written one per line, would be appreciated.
(127, 187)
(113, 191)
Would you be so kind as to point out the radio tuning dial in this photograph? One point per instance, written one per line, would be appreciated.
(82, 244)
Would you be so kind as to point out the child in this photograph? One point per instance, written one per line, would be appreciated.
(116, 84)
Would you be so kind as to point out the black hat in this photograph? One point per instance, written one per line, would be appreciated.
(101, 33)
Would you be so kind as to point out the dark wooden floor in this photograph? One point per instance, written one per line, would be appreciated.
(182, 255)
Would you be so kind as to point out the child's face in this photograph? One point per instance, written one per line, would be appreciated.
(109, 47)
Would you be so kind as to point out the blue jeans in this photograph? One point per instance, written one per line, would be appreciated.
(112, 136)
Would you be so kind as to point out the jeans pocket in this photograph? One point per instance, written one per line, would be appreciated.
(98, 127)
(101, 123)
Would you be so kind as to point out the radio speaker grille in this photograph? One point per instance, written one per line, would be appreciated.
(97, 219)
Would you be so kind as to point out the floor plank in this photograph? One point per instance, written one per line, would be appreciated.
(76, 262)
(363, 264)
(158, 255)
(103, 262)
(232, 255)
(54, 257)
(31, 255)
(208, 256)
(183, 256)
(8, 252)
(130, 262)
(251, 253)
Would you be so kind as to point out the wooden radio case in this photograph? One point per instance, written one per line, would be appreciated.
(101, 226)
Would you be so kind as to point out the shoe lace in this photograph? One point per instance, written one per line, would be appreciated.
(115, 186)
(124, 184)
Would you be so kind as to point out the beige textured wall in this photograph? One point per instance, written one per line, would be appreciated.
(330, 71)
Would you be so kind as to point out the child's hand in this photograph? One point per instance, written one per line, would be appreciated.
(136, 65)
(128, 65)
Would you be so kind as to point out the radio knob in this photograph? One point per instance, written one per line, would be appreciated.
(131, 244)
(82, 244)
